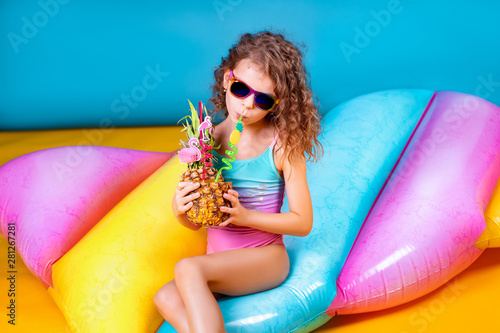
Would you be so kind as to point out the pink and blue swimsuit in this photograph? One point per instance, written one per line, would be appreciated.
(260, 188)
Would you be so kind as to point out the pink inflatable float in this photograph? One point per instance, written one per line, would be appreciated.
(57, 195)
(422, 230)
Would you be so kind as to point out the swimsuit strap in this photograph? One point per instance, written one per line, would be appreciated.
(275, 140)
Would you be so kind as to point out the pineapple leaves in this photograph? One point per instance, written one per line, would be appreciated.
(194, 118)
(192, 123)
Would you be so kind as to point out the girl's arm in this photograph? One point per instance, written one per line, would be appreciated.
(298, 222)
(185, 222)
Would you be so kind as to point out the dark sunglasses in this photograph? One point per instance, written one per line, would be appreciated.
(241, 90)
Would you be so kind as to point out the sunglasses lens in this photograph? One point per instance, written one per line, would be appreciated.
(264, 102)
(239, 89)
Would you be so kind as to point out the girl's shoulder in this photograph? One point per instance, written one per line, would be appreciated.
(279, 154)
(282, 156)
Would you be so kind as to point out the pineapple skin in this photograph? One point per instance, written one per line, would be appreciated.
(206, 208)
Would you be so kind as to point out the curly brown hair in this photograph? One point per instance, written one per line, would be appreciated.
(296, 116)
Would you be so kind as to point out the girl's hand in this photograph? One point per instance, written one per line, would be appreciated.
(239, 214)
(182, 200)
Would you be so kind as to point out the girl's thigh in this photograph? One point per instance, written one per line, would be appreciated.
(244, 271)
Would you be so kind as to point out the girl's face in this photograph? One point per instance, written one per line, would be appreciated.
(252, 74)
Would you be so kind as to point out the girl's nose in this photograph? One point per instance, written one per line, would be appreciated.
(248, 102)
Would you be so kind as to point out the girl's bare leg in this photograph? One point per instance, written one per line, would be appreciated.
(171, 306)
(235, 272)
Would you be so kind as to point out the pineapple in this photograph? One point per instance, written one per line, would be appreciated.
(206, 208)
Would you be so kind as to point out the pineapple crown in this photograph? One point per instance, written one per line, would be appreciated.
(196, 132)
(239, 126)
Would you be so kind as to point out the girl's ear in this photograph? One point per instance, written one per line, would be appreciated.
(226, 79)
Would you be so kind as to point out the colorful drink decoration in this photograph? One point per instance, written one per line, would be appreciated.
(234, 138)
(191, 154)
(205, 148)
(199, 138)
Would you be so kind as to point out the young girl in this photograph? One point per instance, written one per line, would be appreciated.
(262, 80)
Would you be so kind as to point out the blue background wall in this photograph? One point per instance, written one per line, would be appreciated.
(72, 63)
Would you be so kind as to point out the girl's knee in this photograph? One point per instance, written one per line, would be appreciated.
(166, 299)
(159, 298)
(162, 297)
(187, 270)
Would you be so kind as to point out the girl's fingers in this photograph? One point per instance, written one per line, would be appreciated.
(232, 199)
(183, 199)
(185, 203)
(186, 207)
(183, 188)
(226, 222)
(228, 210)
(184, 184)
(185, 191)
(234, 193)
(188, 198)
